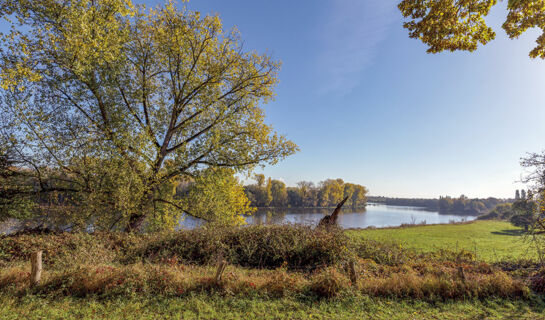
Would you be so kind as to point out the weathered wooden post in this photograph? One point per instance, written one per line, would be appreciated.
(36, 267)
(352, 272)
(461, 274)
(221, 268)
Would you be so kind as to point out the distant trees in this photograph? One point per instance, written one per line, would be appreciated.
(464, 205)
(328, 193)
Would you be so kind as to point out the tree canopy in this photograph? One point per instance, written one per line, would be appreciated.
(114, 104)
(328, 193)
(460, 24)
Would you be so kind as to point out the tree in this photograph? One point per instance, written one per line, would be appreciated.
(218, 197)
(523, 194)
(279, 194)
(459, 24)
(17, 196)
(309, 193)
(517, 195)
(122, 102)
(524, 213)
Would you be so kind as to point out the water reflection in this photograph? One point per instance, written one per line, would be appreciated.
(376, 215)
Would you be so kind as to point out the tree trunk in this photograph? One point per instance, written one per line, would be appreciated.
(331, 220)
(135, 222)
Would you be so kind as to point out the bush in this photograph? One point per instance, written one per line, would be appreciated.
(328, 283)
(296, 247)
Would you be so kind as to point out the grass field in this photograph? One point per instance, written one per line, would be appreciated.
(491, 240)
(168, 276)
(222, 307)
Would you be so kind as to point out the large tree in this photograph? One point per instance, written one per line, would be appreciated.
(114, 104)
(460, 25)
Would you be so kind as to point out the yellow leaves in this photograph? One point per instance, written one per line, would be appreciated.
(448, 24)
(524, 15)
(460, 25)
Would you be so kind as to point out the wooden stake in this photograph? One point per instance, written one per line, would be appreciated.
(221, 268)
(462, 274)
(352, 272)
(36, 267)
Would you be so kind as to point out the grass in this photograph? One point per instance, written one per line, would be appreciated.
(492, 241)
(225, 307)
(273, 272)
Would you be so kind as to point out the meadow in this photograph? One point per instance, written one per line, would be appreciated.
(489, 240)
(273, 272)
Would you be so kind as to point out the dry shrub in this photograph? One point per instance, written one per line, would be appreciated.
(14, 278)
(328, 283)
(537, 281)
(444, 286)
(61, 249)
(296, 247)
(107, 280)
(281, 283)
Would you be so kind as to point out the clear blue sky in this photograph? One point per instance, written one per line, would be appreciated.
(367, 104)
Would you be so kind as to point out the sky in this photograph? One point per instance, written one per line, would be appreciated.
(367, 104)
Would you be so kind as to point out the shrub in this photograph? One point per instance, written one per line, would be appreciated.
(296, 247)
(328, 283)
(382, 253)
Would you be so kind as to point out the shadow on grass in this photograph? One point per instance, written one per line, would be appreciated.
(511, 232)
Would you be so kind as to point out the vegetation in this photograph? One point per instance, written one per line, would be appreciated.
(109, 106)
(461, 205)
(218, 306)
(297, 271)
(286, 261)
(460, 25)
(490, 240)
(328, 193)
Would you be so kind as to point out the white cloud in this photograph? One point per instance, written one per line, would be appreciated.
(350, 37)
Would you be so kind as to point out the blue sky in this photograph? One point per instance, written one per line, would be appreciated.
(367, 104)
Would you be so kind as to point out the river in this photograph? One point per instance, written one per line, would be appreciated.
(375, 215)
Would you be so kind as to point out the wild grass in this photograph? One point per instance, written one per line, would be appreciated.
(219, 306)
(491, 241)
(268, 262)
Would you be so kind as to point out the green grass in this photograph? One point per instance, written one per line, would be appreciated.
(491, 240)
(221, 307)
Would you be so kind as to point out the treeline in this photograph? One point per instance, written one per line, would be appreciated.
(461, 205)
(464, 205)
(432, 204)
(267, 192)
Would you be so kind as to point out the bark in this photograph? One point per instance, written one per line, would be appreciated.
(331, 220)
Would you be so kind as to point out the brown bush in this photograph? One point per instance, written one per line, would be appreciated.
(329, 282)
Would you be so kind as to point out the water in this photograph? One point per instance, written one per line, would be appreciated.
(376, 215)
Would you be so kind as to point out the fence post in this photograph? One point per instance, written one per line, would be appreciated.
(36, 267)
(219, 272)
(352, 272)
(462, 274)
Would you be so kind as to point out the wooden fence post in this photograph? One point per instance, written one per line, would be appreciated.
(36, 267)
(221, 268)
(462, 274)
(352, 272)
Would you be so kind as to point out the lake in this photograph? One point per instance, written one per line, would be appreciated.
(376, 215)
